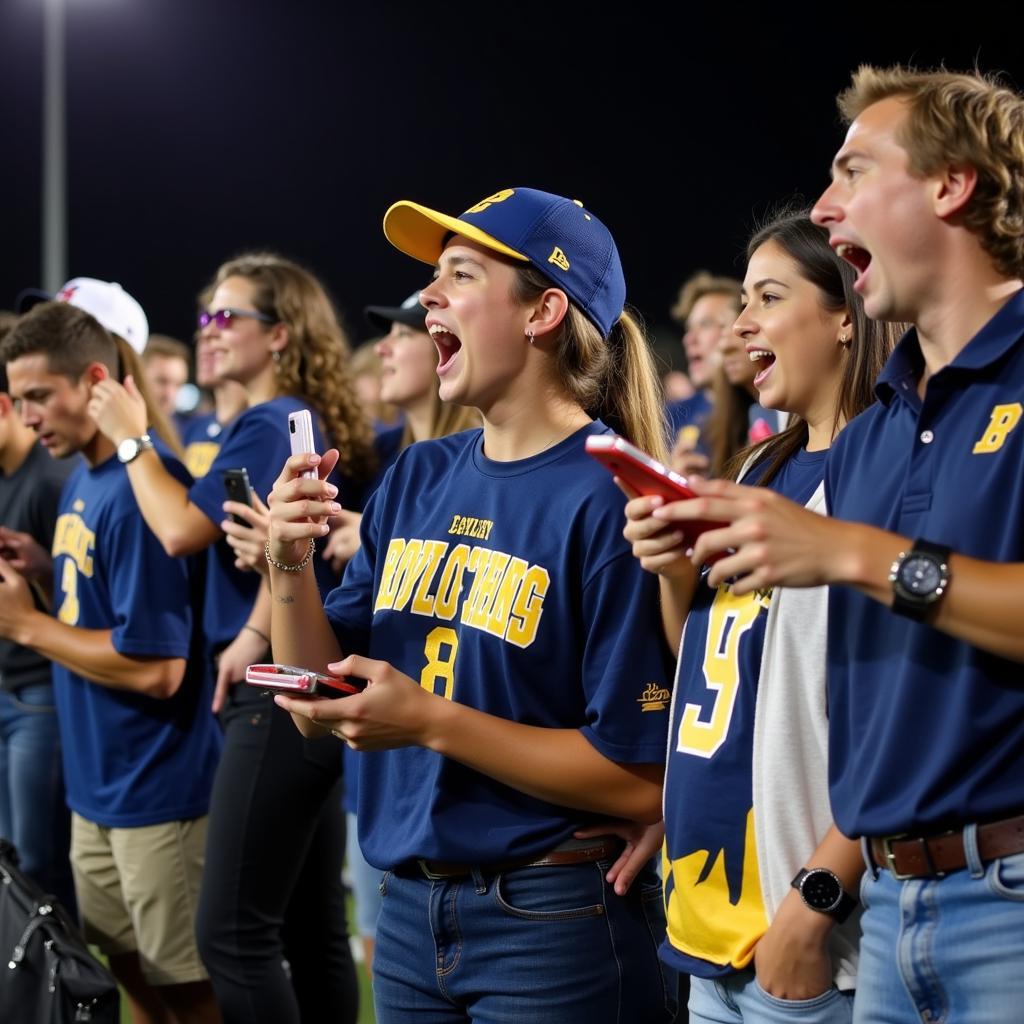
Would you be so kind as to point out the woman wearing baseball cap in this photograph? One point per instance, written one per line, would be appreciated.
(517, 679)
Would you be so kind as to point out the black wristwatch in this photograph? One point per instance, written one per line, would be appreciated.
(822, 891)
(919, 577)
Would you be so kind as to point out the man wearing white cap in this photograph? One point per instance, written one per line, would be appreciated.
(107, 301)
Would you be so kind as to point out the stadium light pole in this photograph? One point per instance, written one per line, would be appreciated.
(55, 184)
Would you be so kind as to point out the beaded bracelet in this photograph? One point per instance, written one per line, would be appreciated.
(287, 566)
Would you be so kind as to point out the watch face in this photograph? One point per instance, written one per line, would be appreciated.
(920, 575)
(821, 890)
(128, 449)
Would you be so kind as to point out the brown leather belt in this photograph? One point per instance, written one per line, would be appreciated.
(937, 855)
(603, 849)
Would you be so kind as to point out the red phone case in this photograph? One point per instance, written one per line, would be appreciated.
(647, 477)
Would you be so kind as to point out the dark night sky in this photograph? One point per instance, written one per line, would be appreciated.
(198, 128)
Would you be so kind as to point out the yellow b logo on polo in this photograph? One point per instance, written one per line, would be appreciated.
(498, 197)
(558, 258)
(1004, 419)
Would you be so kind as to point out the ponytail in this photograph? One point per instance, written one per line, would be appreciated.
(613, 379)
(631, 391)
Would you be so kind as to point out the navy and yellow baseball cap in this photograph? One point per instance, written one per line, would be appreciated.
(565, 242)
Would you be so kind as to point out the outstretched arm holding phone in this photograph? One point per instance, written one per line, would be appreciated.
(781, 544)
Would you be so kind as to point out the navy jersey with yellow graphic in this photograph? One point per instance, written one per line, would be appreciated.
(714, 905)
(129, 759)
(508, 587)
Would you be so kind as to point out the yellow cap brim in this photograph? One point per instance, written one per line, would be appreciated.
(420, 233)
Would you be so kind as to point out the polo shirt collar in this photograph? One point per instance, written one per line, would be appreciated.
(992, 342)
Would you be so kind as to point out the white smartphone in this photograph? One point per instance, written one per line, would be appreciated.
(300, 433)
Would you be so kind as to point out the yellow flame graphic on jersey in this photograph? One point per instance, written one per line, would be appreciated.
(702, 922)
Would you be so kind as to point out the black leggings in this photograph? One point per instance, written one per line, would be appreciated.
(272, 888)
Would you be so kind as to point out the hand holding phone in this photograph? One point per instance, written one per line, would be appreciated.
(300, 434)
(301, 682)
(237, 488)
(648, 477)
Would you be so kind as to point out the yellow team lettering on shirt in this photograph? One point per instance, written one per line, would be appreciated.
(1003, 419)
(468, 526)
(429, 577)
(73, 538)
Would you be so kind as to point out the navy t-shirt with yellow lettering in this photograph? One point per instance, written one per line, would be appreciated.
(129, 759)
(508, 587)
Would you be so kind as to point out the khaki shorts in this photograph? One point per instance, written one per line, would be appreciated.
(137, 891)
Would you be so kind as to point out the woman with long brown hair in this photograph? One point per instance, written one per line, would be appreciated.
(759, 881)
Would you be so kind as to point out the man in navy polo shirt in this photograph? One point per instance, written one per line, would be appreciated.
(926, 638)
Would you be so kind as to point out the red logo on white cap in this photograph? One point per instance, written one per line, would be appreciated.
(65, 294)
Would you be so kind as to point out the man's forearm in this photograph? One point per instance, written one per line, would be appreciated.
(90, 653)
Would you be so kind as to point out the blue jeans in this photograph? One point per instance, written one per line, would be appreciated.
(739, 998)
(364, 879)
(944, 949)
(33, 814)
(540, 945)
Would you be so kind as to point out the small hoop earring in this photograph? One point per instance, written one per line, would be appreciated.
(844, 339)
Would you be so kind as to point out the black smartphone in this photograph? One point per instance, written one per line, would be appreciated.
(237, 488)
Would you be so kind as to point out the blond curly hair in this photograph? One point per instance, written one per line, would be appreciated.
(966, 120)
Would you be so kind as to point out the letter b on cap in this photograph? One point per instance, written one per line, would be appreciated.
(498, 197)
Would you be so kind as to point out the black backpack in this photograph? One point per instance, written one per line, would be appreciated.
(47, 974)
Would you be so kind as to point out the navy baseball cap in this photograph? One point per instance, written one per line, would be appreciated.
(565, 242)
(410, 313)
